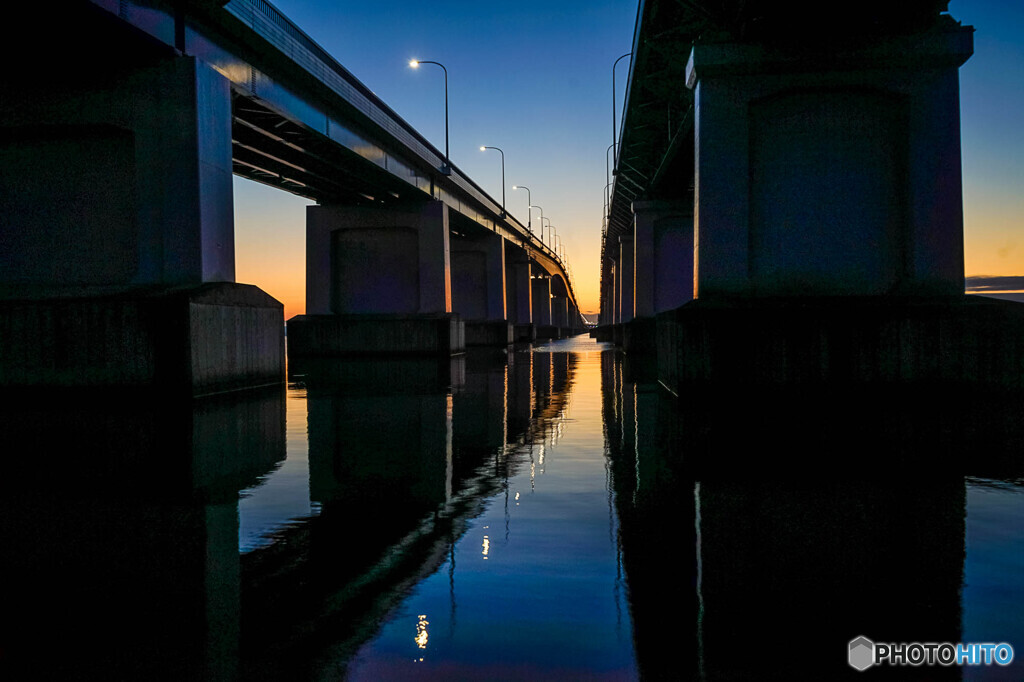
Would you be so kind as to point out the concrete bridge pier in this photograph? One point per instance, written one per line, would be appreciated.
(378, 281)
(541, 289)
(519, 294)
(662, 267)
(560, 314)
(624, 281)
(478, 288)
(117, 261)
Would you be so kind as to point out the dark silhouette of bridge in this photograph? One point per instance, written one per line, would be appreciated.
(117, 259)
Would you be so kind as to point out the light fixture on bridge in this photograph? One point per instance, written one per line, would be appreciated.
(484, 148)
(615, 131)
(529, 213)
(446, 169)
(541, 221)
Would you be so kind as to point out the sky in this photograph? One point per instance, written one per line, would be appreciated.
(534, 78)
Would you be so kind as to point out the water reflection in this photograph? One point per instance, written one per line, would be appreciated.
(537, 514)
(796, 522)
(119, 530)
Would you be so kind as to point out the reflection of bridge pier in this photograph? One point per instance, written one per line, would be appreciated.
(520, 395)
(124, 563)
(819, 564)
(773, 568)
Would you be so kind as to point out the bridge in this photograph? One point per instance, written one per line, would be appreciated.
(786, 202)
(118, 217)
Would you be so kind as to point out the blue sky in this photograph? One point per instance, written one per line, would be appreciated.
(534, 78)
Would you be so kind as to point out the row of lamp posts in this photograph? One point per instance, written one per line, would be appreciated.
(553, 241)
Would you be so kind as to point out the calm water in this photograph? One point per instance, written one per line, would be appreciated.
(541, 514)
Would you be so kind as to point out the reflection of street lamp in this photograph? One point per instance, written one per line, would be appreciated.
(529, 213)
(502, 178)
(446, 169)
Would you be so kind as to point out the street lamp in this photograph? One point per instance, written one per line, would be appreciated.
(446, 169)
(607, 172)
(542, 219)
(502, 177)
(541, 222)
(529, 214)
(615, 128)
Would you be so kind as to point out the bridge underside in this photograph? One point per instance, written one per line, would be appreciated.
(784, 180)
(118, 212)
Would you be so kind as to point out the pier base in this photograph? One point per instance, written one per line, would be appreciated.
(639, 336)
(198, 340)
(375, 334)
(525, 333)
(548, 331)
(954, 340)
(489, 333)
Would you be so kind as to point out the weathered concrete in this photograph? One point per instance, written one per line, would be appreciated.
(378, 281)
(123, 179)
(197, 340)
(624, 280)
(663, 256)
(373, 260)
(560, 311)
(841, 179)
(967, 340)
(478, 288)
(547, 331)
(368, 334)
(519, 294)
(541, 287)
(487, 333)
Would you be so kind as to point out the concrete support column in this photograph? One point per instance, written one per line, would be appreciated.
(478, 277)
(838, 182)
(624, 280)
(560, 312)
(519, 294)
(663, 248)
(371, 260)
(119, 180)
(541, 300)
(378, 280)
(478, 288)
(616, 284)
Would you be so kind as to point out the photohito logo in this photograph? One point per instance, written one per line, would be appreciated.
(863, 653)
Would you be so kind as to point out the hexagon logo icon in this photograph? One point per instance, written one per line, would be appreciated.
(862, 653)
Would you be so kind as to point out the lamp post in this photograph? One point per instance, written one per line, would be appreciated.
(502, 177)
(548, 242)
(615, 128)
(541, 222)
(607, 171)
(446, 169)
(529, 214)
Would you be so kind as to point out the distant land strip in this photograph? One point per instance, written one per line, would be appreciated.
(982, 283)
